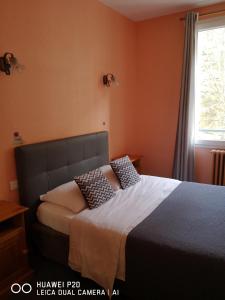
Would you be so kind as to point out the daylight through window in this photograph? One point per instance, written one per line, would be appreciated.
(210, 84)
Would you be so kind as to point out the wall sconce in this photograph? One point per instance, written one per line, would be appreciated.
(7, 61)
(108, 79)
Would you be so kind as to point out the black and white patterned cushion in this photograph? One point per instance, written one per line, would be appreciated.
(95, 188)
(125, 171)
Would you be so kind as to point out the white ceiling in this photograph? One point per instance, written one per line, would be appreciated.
(138, 10)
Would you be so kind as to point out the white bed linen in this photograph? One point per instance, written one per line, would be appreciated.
(98, 236)
(55, 216)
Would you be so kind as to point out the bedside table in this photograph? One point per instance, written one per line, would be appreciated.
(135, 159)
(13, 251)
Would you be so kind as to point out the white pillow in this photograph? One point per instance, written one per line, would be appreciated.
(67, 195)
(110, 175)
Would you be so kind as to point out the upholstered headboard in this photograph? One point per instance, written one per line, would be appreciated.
(43, 166)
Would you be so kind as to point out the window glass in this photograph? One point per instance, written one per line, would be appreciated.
(210, 83)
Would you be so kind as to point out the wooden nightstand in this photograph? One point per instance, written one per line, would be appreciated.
(13, 251)
(135, 159)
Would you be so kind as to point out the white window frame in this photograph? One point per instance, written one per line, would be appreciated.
(202, 25)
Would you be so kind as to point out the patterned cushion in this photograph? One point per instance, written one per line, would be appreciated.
(95, 188)
(125, 171)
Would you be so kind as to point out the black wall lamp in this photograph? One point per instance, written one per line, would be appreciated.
(108, 79)
(7, 61)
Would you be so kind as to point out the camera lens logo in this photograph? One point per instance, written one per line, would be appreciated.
(16, 288)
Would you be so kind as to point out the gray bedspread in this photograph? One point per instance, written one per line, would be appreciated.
(179, 250)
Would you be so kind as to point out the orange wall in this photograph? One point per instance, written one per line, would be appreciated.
(66, 47)
(160, 55)
(203, 165)
(160, 51)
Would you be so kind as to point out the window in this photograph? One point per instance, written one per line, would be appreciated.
(210, 82)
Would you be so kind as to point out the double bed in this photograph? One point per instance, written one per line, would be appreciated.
(160, 237)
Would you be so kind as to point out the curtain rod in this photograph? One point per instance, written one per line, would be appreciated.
(208, 14)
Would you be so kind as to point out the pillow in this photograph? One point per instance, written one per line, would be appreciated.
(67, 195)
(110, 175)
(95, 188)
(125, 171)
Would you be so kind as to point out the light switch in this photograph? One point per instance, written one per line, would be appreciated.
(13, 185)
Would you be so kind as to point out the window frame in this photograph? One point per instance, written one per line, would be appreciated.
(203, 25)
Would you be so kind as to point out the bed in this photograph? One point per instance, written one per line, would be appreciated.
(177, 248)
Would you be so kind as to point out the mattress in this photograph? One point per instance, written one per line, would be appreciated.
(55, 217)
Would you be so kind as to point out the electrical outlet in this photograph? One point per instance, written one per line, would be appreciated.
(13, 185)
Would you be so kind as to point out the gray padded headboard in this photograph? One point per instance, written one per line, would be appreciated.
(43, 166)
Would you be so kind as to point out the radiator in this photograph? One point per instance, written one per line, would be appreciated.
(218, 167)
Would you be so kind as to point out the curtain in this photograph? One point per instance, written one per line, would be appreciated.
(183, 166)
